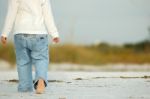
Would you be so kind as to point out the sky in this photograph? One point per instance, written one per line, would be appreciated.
(95, 21)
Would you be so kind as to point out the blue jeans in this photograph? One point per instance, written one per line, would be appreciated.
(31, 49)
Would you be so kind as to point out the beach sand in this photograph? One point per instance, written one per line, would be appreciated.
(82, 85)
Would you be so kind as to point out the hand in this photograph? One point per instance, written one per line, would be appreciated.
(56, 40)
(3, 40)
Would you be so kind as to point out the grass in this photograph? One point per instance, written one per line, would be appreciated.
(94, 55)
(7, 53)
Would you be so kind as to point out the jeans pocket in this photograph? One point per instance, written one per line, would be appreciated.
(42, 37)
(41, 42)
(19, 41)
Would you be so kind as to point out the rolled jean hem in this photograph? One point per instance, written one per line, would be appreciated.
(27, 90)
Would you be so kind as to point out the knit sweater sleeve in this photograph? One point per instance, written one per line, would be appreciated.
(48, 19)
(10, 17)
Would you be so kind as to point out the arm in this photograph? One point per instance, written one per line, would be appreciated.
(49, 20)
(10, 17)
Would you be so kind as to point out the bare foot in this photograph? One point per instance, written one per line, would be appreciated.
(40, 86)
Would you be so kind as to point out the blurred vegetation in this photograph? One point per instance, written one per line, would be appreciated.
(102, 53)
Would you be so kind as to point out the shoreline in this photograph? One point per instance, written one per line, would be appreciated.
(4, 66)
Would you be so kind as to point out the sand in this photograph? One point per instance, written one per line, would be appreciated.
(82, 85)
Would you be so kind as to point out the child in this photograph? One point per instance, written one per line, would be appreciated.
(30, 20)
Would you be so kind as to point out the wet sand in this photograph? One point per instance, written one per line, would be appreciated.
(82, 85)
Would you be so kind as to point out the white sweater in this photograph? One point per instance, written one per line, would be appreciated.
(29, 17)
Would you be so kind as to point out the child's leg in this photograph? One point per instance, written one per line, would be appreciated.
(40, 58)
(24, 65)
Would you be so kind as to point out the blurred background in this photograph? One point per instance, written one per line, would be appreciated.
(96, 35)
